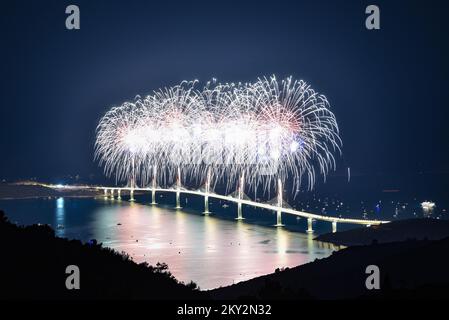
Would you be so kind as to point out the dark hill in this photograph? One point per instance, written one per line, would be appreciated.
(401, 230)
(33, 263)
(407, 269)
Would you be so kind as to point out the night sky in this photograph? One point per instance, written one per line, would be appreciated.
(388, 88)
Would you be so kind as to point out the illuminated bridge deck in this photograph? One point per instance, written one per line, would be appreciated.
(110, 192)
(254, 204)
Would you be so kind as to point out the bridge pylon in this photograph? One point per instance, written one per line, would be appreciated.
(132, 184)
(178, 190)
(279, 205)
(240, 194)
(207, 191)
(153, 186)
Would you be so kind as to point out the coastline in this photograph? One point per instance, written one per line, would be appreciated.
(17, 191)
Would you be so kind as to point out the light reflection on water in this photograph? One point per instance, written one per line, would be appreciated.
(60, 217)
(205, 249)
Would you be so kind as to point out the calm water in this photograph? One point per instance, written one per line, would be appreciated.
(208, 250)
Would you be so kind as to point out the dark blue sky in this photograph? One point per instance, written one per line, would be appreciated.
(388, 88)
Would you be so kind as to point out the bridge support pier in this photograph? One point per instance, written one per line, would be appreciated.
(239, 211)
(119, 197)
(279, 219)
(206, 206)
(105, 193)
(131, 195)
(334, 226)
(112, 194)
(309, 225)
(153, 197)
(178, 200)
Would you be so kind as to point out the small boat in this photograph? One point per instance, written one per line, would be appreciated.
(225, 206)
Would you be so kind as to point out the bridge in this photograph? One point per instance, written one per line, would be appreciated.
(110, 192)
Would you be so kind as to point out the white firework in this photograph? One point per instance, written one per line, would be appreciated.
(266, 130)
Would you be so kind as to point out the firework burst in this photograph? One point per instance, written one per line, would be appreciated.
(266, 130)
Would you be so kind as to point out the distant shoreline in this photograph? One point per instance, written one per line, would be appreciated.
(47, 197)
(17, 191)
(400, 230)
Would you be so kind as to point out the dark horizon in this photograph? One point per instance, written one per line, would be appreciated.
(388, 88)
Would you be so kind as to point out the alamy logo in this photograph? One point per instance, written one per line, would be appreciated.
(373, 280)
(73, 280)
(372, 22)
(73, 20)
